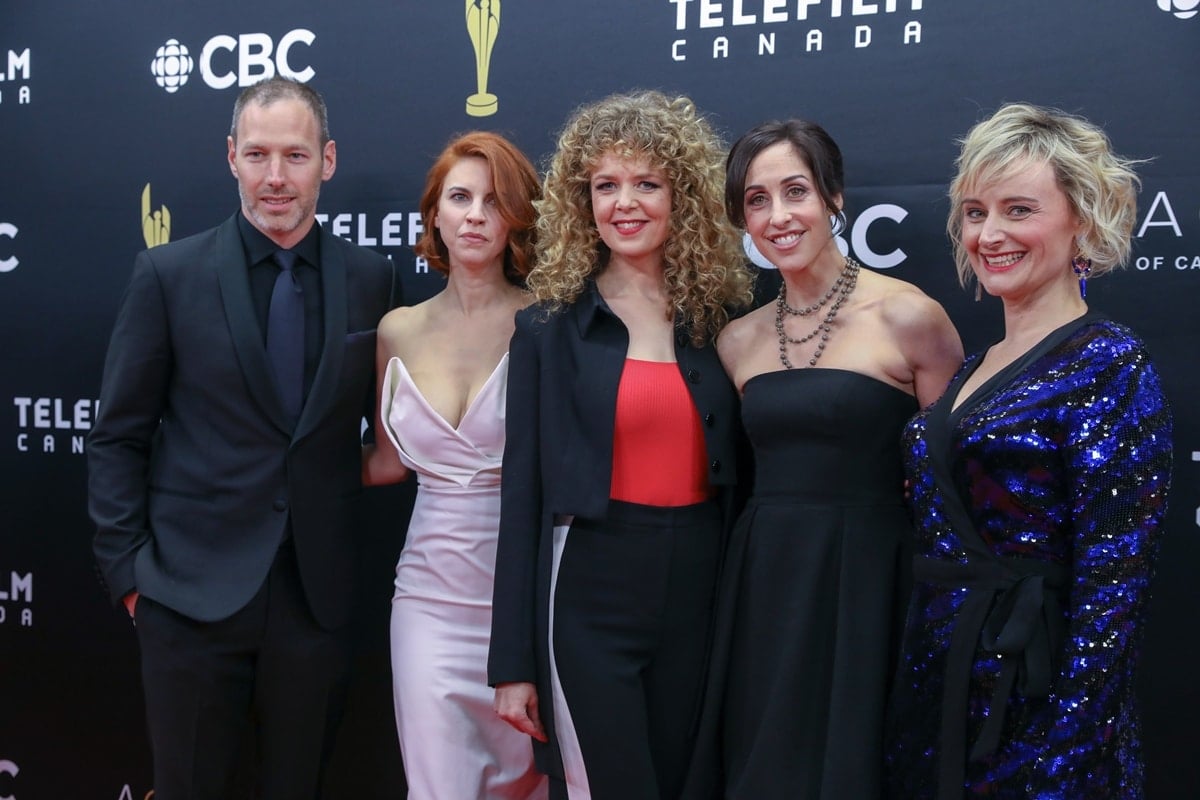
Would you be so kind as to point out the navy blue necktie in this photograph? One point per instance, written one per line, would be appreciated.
(285, 334)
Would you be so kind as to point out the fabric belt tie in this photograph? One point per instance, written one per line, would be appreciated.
(1012, 609)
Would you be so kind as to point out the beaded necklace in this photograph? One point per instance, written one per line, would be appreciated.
(842, 287)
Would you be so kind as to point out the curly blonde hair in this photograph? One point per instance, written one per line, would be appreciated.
(1100, 185)
(704, 266)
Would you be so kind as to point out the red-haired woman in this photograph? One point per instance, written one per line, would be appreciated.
(443, 371)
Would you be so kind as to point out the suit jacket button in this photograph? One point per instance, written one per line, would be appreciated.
(716, 465)
(693, 376)
(279, 505)
(710, 419)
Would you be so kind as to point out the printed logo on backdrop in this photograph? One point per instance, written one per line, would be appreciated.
(1183, 9)
(14, 82)
(171, 66)
(127, 794)
(53, 425)
(1162, 228)
(16, 600)
(483, 26)
(156, 223)
(241, 60)
(394, 229)
(11, 770)
(764, 28)
(857, 230)
(8, 258)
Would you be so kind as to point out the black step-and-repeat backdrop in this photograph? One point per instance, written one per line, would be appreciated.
(112, 127)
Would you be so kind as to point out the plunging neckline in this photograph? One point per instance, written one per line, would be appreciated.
(474, 401)
(1010, 370)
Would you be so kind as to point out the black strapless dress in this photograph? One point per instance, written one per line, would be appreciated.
(813, 594)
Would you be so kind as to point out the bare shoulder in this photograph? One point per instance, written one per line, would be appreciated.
(923, 334)
(400, 326)
(742, 335)
(909, 312)
(399, 320)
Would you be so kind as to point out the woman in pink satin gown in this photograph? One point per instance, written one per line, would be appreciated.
(443, 369)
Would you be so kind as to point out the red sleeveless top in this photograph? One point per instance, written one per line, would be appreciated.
(659, 457)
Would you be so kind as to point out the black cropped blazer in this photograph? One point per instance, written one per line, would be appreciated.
(564, 370)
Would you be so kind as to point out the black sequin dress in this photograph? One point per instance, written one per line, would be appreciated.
(1039, 504)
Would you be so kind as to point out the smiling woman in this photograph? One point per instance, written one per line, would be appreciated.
(1039, 484)
(1018, 231)
(620, 465)
(816, 573)
(631, 203)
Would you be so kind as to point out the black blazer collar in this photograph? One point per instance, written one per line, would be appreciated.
(230, 259)
(590, 309)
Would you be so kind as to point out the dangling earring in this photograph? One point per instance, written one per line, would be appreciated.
(1082, 267)
(978, 290)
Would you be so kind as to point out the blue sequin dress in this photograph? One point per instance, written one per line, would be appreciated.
(1038, 504)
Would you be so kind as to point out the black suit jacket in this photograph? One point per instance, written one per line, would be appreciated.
(193, 469)
(564, 369)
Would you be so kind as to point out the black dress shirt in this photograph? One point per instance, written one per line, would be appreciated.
(263, 271)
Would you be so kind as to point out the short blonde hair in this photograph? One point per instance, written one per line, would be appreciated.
(1100, 185)
(704, 265)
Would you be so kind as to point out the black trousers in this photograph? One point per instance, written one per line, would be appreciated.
(632, 617)
(269, 669)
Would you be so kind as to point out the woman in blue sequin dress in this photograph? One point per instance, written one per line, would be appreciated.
(1039, 484)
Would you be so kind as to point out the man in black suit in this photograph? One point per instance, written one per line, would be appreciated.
(221, 489)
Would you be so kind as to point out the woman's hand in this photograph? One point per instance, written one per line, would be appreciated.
(517, 704)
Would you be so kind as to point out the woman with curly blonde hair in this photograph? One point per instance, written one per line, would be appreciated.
(620, 457)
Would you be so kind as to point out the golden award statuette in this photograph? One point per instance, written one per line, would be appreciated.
(483, 25)
(156, 226)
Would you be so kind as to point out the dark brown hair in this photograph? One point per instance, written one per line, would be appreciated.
(812, 144)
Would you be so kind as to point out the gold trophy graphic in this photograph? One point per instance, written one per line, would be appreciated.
(483, 25)
(156, 225)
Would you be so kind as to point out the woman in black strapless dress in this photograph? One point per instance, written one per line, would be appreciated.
(816, 578)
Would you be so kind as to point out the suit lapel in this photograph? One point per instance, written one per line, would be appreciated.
(243, 323)
(333, 292)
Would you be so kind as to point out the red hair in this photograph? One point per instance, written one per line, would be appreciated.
(516, 187)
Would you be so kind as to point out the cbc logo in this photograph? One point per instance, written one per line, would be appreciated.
(7, 262)
(858, 239)
(1183, 9)
(171, 66)
(7, 768)
(226, 60)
